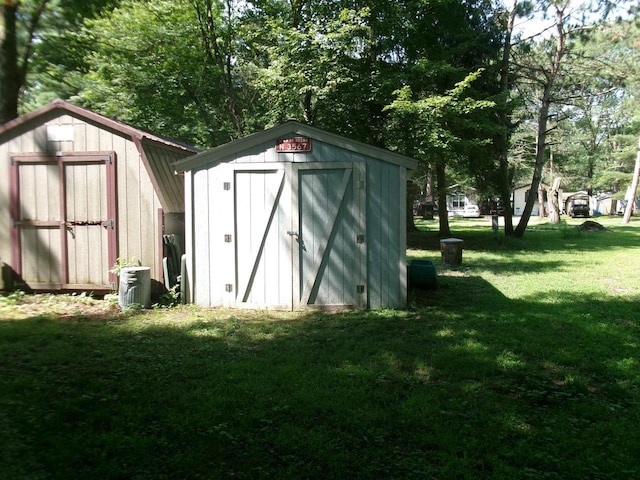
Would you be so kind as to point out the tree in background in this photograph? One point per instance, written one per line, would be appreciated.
(559, 73)
(37, 47)
(17, 36)
(505, 104)
(218, 70)
(208, 71)
(542, 69)
(625, 39)
(9, 84)
(445, 44)
(305, 56)
(171, 67)
(443, 123)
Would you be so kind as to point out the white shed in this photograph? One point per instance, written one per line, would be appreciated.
(295, 217)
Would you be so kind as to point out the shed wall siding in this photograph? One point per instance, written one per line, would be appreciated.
(385, 231)
(137, 202)
(172, 185)
(189, 236)
(32, 141)
(200, 276)
(5, 216)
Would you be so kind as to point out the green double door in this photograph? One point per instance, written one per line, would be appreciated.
(299, 236)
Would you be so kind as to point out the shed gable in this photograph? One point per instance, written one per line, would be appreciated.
(263, 146)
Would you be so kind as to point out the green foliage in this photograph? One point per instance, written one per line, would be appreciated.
(439, 115)
(170, 298)
(56, 55)
(123, 263)
(12, 298)
(133, 307)
(568, 232)
(448, 131)
(592, 132)
(309, 65)
(155, 66)
(209, 71)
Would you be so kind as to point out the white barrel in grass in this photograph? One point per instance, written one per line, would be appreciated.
(135, 287)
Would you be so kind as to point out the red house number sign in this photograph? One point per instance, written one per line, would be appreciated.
(294, 144)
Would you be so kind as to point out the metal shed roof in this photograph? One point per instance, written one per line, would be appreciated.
(157, 153)
(221, 153)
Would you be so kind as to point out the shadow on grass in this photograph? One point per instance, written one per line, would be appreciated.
(490, 389)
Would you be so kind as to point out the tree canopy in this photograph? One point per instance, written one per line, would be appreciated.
(455, 84)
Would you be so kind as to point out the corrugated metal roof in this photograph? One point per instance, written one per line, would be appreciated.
(291, 128)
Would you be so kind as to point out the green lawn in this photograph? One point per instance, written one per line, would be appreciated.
(524, 363)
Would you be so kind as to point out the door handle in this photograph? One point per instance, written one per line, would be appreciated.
(298, 239)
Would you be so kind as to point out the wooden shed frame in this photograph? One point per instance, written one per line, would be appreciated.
(79, 191)
(295, 217)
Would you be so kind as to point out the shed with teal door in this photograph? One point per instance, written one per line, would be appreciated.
(296, 217)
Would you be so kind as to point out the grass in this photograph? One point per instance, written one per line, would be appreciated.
(523, 364)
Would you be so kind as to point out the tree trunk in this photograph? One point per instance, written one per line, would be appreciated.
(412, 194)
(537, 169)
(614, 202)
(305, 105)
(542, 211)
(428, 193)
(503, 159)
(553, 201)
(634, 189)
(543, 119)
(9, 71)
(443, 215)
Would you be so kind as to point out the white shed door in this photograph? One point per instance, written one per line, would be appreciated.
(262, 247)
(300, 240)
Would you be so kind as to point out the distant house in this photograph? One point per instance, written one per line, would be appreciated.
(628, 198)
(604, 204)
(521, 194)
(80, 190)
(458, 197)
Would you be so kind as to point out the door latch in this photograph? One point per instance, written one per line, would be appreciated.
(298, 239)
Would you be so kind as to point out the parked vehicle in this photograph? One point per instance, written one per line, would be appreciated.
(471, 211)
(492, 207)
(579, 207)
